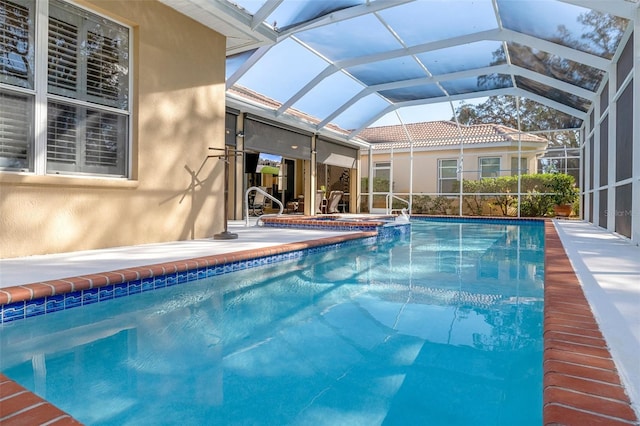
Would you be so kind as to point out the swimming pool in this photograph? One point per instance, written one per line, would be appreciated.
(442, 327)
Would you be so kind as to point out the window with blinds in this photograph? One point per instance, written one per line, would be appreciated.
(87, 56)
(16, 47)
(62, 134)
(103, 144)
(87, 90)
(102, 65)
(16, 142)
(16, 69)
(84, 140)
(62, 57)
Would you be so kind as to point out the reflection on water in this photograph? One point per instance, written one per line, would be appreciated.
(444, 327)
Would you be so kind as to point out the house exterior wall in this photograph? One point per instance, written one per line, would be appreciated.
(174, 192)
(425, 166)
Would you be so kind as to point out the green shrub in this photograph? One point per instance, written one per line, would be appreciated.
(564, 188)
(540, 192)
(379, 184)
(425, 204)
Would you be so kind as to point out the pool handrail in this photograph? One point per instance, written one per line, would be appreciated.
(389, 205)
(266, 194)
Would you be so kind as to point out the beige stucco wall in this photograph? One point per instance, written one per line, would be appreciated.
(425, 166)
(179, 105)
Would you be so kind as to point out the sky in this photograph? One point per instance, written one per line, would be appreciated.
(421, 113)
(297, 71)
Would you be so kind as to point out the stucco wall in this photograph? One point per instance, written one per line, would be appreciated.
(425, 166)
(175, 194)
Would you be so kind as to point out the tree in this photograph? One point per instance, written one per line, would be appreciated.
(533, 117)
(601, 37)
(606, 32)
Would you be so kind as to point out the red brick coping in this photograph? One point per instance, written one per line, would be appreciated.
(327, 221)
(44, 289)
(581, 383)
(20, 407)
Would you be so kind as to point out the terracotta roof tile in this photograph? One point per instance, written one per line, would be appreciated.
(273, 104)
(424, 135)
(443, 133)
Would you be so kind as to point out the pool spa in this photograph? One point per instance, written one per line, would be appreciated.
(442, 325)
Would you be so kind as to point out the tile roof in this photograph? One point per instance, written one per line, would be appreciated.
(252, 96)
(424, 135)
(443, 133)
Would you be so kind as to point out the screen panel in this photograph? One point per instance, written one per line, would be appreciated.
(603, 159)
(624, 134)
(335, 154)
(264, 137)
(602, 210)
(623, 210)
(625, 63)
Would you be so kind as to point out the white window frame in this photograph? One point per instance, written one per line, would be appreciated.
(120, 109)
(524, 165)
(383, 166)
(481, 167)
(442, 178)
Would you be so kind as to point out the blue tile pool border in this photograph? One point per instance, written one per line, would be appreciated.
(109, 290)
(18, 310)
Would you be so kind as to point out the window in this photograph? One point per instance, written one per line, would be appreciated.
(562, 159)
(447, 175)
(84, 105)
(16, 131)
(382, 177)
(523, 166)
(16, 69)
(489, 167)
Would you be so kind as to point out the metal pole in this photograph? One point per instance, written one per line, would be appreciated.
(461, 163)
(225, 235)
(519, 155)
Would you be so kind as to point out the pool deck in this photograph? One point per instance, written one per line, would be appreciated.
(609, 270)
(34, 269)
(592, 313)
(591, 326)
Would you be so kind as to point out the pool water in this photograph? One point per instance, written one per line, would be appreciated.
(443, 327)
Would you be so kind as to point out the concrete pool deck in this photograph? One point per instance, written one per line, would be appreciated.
(34, 269)
(579, 386)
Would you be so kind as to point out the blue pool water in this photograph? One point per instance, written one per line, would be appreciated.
(443, 327)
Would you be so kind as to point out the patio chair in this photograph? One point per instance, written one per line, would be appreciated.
(319, 200)
(333, 201)
(257, 205)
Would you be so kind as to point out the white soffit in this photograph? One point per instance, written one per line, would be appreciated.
(229, 21)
